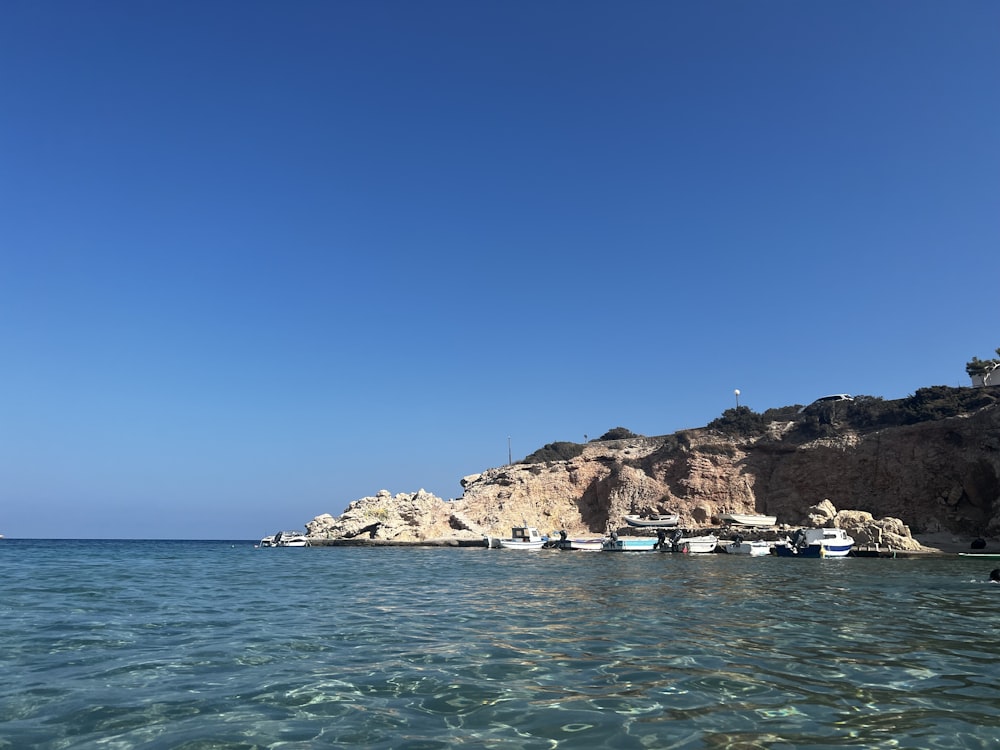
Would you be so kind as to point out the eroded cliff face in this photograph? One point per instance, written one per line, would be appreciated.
(941, 476)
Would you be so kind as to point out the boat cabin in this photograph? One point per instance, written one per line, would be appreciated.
(525, 534)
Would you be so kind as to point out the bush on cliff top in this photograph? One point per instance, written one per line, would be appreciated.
(740, 422)
(618, 433)
(554, 452)
(864, 413)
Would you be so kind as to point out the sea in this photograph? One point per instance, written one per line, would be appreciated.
(217, 644)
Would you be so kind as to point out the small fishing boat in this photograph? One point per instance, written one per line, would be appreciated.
(588, 545)
(816, 543)
(748, 519)
(524, 537)
(655, 520)
(755, 548)
(630, 544)
(695, 544)
(593, 544)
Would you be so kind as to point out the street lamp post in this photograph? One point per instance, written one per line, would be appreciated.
(509, 459)
(737, 394)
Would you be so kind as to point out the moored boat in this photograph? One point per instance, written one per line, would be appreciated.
(290, 539)
(524, 537)
(655, 520)
(694, 544)
(748, 519)
(754, 548)
(588, 545)
(630, 544)
(593, 544)
(285, 539)
(816, 543)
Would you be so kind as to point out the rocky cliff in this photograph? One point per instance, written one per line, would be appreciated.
(939, 474)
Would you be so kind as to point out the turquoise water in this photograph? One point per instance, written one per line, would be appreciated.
(219, 645)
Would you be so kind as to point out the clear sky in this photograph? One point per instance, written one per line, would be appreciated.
(261, 259)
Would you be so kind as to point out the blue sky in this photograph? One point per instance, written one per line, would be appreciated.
(260, 259)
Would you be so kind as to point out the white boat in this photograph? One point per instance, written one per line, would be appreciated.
(630, 544)
(588, 545)
(593, 544)
(748, 519)
(756, 548)
(816, 543)
(694, 544)
(285, 539)
(294, 540)
(655, 520)
(524, 537)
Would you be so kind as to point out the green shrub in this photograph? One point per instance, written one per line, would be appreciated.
(554, 452)
(618, 433)
(740, 422)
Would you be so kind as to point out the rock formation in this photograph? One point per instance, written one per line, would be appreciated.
(939, 475)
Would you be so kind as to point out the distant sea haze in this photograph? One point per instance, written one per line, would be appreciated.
(165, 644)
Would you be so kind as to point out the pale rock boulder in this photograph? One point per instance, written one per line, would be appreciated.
(883, 533)
(820, 515)
(417, 516)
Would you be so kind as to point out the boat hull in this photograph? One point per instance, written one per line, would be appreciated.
(813, 550)
(518, 544)
(696, 545)
(586, 545)
(630, 545)
(748, 519)
(662, 521)
(753, 549)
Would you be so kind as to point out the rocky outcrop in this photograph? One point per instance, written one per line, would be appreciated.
(418, 516)
(864, 528)
(934, 476)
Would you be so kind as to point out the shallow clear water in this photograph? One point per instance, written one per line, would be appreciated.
(150, 644)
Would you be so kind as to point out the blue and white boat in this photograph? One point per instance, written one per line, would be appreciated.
(816, 543)
(630, 544)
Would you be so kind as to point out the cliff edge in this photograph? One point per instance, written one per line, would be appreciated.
(930, 462)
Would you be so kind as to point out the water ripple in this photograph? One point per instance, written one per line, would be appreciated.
(200, 645)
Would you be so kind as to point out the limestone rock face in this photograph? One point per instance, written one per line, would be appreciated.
(936, 476)
(403, 517)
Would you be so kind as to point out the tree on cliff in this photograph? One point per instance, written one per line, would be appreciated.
(983, 368)
(618, 433)
(742, 421)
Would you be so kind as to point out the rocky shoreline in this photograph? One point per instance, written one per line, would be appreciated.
(425, 520)
(917, 484)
